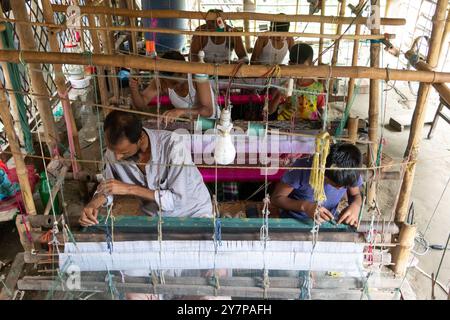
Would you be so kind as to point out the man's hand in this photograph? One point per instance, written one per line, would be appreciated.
(350, 215)
(171, 115)
(89, 216)
(324, 213)
(134, 84)
(114, 187)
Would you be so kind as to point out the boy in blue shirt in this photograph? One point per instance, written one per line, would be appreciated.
(295, 196)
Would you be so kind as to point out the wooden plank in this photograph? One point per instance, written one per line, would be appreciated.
(9, 288)
(147, 224)
(208, 290)
(280, 236)
(320, 281)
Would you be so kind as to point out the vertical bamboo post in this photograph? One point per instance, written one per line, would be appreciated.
(445, 41)
(351, 82)
(352, 127)
(109, 45)
(21, 168)
(12, 96)
(322, 31)
(374, 106)
(334, 58)
(249, 6)
(133, 44)
(401, 253)
(417, 123)
(38, 86)
(62, 89)
(100, 70)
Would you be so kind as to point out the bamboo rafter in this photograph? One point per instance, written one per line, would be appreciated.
(179, 14)
(245, 71)
(60, 27)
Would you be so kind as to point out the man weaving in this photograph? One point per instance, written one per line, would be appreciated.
(153, 165)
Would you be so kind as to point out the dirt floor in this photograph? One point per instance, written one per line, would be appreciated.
(432, 174)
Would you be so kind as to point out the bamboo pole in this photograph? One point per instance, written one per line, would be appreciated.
(322, 31)
(351, 83)
(334, 58)
(22, 172)
(400, 253)
(100, 68)
(27, 42)
(352, 125)
(133, 44)
(441, 88)
(12, 96)
(60, 82)
(246, 71)
(249, 6)
(108, 48)
(178, 14)
(417, 123)
(374, 106)
(61, 27)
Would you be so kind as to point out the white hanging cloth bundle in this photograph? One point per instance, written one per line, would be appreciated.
(278, 255)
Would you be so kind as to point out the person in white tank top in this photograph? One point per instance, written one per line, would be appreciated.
(217, 49)
(189, 98)
(272, 50)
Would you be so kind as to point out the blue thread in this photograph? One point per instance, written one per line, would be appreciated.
(218, 231)
(109, 242)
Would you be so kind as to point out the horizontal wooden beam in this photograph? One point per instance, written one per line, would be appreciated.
(179, 14)
(209, 290)
(245, 71)
(130, 224)
(167, 235)
(62, 27)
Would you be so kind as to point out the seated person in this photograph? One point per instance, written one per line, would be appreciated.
(295, 196)
(306, 105)
(190, 98)
(217, 49)
(272, 50)
(133, 159)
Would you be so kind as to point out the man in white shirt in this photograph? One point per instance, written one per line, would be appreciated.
(153, 165)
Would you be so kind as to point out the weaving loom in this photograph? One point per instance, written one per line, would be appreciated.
(267, 257)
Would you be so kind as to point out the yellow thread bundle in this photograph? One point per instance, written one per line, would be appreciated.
(317, 177)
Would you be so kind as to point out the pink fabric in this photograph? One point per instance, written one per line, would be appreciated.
(11, 202)
(238, 175)
(235, 99)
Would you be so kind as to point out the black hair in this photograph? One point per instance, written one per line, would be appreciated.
(120, 124)
(171, 55)
(279, 26)
(344, 155)
(300, 52)
(215, 10)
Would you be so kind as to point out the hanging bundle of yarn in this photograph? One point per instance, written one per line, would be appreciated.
(316, 179)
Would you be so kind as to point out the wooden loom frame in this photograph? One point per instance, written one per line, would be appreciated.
(428, 75)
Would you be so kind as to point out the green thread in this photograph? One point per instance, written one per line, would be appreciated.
(7, 38)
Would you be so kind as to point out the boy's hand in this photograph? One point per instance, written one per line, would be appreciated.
(324, 213)
(350, 215)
